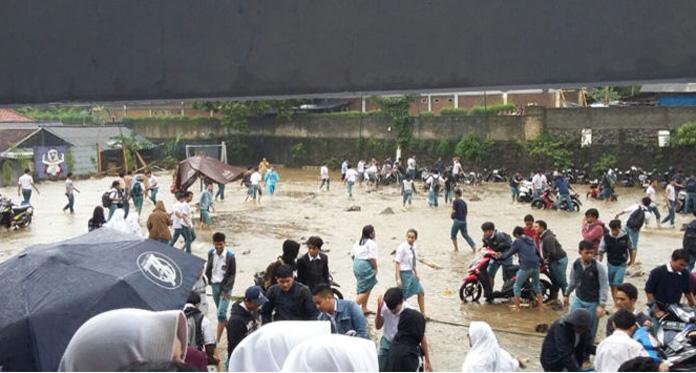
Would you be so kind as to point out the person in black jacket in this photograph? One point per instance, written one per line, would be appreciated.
(288, 299)
(559, 351)
(221, 270)
(403, 354)
(500, 242)
(244, 317)
(313, 267)
(290, 250)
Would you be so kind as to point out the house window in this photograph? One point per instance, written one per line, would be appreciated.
(437, 100)
(663, 138)
(449, 100)
(586, 137)
(424, 100)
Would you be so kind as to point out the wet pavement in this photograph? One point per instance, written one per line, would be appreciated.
(299, 210)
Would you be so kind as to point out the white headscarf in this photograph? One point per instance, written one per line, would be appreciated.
(118, 222)
(114, 339)
(333, 353)
(134, 225)
(485, 355)
(265, 350)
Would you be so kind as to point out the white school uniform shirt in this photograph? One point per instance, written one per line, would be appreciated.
(255, 178)
(538, 181)
(351, 175)
(404, 256)
(344, 167)
(615, 350)
(391, 321)
(25, 181)
(324, 172)
(671, 193)
(366, 251)
(456, 168)
(361, 167)
(411, 164)
(153, 182)
(628, 211)
(218, 270)
(176, 221)
(432, 180)
(650, 192)
(408, 185)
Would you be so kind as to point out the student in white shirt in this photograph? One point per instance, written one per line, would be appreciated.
(405, 270)
(539, 183)
(69, 192)
(390, 307)
(361, 171)
(25, 184)
(364, 254)
(152, 186)
(434, 183)
(255, 180)
(344, 169)
(324, 176)
(350, 177)
(671, 202)
(181, 221)
(620, 346)
(652, 194)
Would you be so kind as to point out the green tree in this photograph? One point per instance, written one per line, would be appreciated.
(603, 94)
(132, 145)
(545, 148)
(603, 164)
(473, 148)
(686, 135)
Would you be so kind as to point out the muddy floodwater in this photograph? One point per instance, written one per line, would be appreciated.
(299, 210)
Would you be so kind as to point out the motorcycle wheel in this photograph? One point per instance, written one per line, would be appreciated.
(537, 204)
(545, 290)
(576, 206)
(337, 294)
(470, 291)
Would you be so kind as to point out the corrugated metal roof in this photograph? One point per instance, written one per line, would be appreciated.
(12, 137)
(90, 136)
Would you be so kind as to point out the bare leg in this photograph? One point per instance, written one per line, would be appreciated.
(220, 328)
(421, 304)
(454, 242)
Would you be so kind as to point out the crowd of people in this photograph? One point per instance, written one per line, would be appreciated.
(293, 319)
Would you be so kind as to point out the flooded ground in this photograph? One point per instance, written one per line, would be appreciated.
(299, 210)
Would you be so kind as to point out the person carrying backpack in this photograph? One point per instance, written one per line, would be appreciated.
(138, 193)
(434, 182)
(689, 241)
(636, 220)
(200, 332)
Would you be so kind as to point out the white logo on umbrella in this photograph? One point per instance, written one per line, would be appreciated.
(160, 269)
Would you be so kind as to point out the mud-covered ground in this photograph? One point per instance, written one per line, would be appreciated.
(299, 210)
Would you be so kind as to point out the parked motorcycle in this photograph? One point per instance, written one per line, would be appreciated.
(15, 216)
(496, 176)
(545, 201)
(472, 289)
(526, 194)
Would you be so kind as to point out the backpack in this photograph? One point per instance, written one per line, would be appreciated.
(689, 241)
(637, 219)
(691, 186)
(106, 199)
(137, 190)
(194, 320)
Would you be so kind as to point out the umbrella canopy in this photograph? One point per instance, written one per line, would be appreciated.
(49, 291)
(210, 168)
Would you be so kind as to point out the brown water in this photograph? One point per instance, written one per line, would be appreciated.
(299, 210)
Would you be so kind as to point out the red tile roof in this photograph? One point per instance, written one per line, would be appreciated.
(9, 115)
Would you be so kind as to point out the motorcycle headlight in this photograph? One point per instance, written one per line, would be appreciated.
(30, 210)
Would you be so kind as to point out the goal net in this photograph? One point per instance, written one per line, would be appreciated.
(217, 151)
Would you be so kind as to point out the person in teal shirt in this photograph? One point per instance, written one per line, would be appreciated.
(271, 178)
(205, 204)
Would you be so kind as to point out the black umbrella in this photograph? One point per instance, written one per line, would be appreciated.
(48, 291)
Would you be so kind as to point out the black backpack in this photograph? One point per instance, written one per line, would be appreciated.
(106, 199)
(691, 186)
(137, 190)
(637, 219)
(689, 241)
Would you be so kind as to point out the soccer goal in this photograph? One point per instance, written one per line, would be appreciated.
(218, 151)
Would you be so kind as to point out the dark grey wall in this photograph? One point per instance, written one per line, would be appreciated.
(159, 49)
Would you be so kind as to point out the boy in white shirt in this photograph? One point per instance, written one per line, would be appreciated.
(652, 194)
(324, 176)
(620, 346)
(25, 184)
(255, 180)
(350, 178)
(181, 222)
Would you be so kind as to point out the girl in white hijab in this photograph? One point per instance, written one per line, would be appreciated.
(266, 349)
(134, 226)
(333, 353)
(114, 339)
(118, 222)
(485, 355)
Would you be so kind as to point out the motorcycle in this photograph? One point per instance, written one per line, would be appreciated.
(597, 192)
(526, 194)
(546, 202)
(496, 176)
(472, 289)
(471, 178)
(258, 281)
(14, 216)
